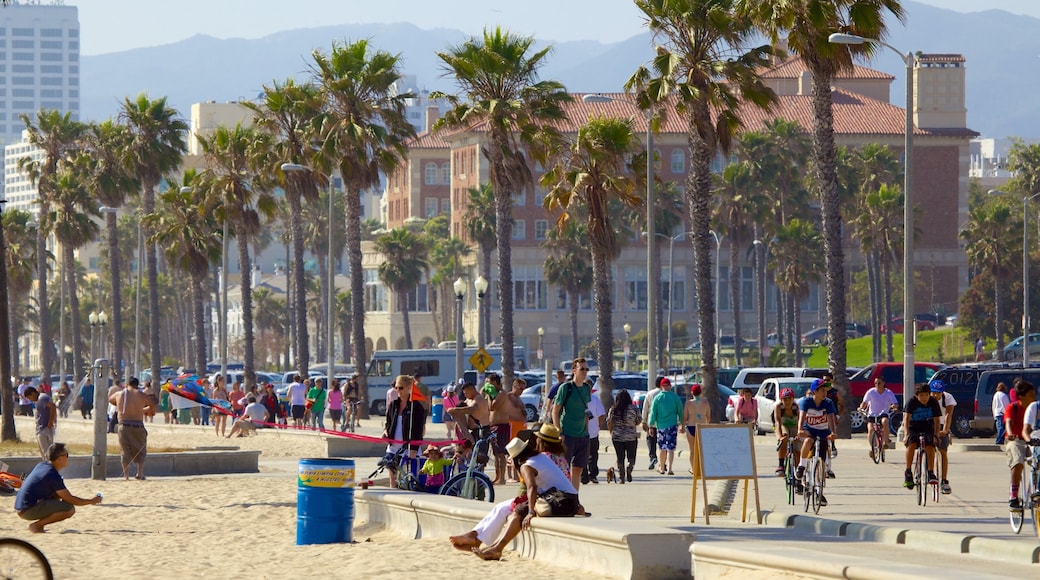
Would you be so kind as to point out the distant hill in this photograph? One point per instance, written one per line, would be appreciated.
(1002, 52)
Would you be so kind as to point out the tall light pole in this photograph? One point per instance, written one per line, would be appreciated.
(541, 337)
(460, 293)
(481, 286)
(137, 307)
(671, 286)
(628, 330)
(653, 270)
(92, 318)
(908, 208)
(103, 321)
(1025, 273)
(122, 366)
(718, 292)
(99, 467)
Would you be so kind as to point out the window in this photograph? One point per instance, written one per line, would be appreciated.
(520, 199)
(375, 292)
(541, 229)
(425, 368)
(584, 300)
(529, 288)
(51, 44)
(23, 56)
(49, 93)
(50, 33)
(27, 32)
(24, 44)
(24, 68)
(445, 173)
(22, 92)
(50, 81)
(678, 160)
(418, 299)
(519, 230)
(747, 289)
(51, 56)
(431, 207)
(445, 205)
(431, 174)
(635, 288)
(673, 289)
(22, 81)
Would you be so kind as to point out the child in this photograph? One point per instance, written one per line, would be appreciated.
(433, 469)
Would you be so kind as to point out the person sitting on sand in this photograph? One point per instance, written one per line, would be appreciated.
(251, 419)
(43, 498)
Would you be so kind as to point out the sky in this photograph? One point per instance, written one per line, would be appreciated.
(118, 25)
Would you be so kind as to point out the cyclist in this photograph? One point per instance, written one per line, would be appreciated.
(817, 418)
(920, 417)
(1015, 446)
(839, 410)
(352, 394)
(785, 421)
(878, 402)
(946, 406)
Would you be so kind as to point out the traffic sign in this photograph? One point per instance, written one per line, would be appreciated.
(481, 360)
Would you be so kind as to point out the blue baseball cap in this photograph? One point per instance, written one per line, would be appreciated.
(817, 383)
(937, 386)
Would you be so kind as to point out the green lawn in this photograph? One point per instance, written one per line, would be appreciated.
(954, 344)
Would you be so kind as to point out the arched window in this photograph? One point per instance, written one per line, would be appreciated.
(678, 160)
(445, 173)
(431, 174)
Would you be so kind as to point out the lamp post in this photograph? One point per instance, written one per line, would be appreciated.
(541, 338)
(116, 308)
(102, 318)
(652, 268)
(460, 293)
(628, 330)
(908, 207)
(718, 292)
(481, 286)
(671, 287)
(1025, 273)
(93, 319)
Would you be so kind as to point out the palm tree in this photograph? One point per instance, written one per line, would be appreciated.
(401, 268)
(567, 269)
(498, 78)
(315, 217)
(111, 183)
(807, 24)
(446, 255)
(796, 252)
(989, 232)
(342, 310)
(71, 219)
(191, 242)
(270, 317)
(704, 62)
(292, 114)
(482, 228)
(236, 160)
(366, 133)
(20, 267)
(589, 175)
(154, 146)
(56, 136)
(733, 220)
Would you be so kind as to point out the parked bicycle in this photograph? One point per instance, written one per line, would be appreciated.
(472, 483)
(395, 463)
(814, 478)
(1028, 493)
(20, 559)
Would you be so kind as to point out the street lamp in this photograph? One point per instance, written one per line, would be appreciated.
(460, 293)
(117, 305)
(1025, 273)
(718, 292)
(628, 330)
(541, 337)
(652, 268)
(93, 319)
(102, 319)
(908, 207)
(481, 286)
(671, 286)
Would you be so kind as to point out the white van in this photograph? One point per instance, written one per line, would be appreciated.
(436, 365)
(752, 377)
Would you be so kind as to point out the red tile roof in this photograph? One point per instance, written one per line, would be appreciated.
(792, 69)
(428, 140)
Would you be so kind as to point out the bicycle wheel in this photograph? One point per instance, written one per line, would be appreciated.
(20, 559)
(819, 477)
(1017, 517)
(920, 478)
(807, 488)
(882, 451)
(875, 445)
(478, 487)
(789, 479)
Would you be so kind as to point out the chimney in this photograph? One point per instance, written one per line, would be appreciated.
(432, 114)
(939, 87)
(805, 83)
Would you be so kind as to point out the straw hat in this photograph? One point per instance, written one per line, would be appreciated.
(548, 433)
(515, 447)
(430, 449)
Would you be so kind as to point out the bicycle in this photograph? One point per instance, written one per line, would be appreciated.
(472, 483)
(877, 439)
(20, 559)
(352, 414)
(404, 479)
(790, 462)
(1028, 492)
(920, 473)
(814, 478)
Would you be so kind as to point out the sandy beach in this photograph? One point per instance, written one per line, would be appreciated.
(230, 526)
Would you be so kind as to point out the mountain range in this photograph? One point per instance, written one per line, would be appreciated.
(1002, 53)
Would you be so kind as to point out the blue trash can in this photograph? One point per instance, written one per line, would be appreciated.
(437, 409)
(325, 501)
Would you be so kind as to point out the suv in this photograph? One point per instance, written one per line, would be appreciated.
(962, 382)
(892, 374)
(983, 423)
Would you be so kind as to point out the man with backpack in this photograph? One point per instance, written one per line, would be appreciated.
(570, 415)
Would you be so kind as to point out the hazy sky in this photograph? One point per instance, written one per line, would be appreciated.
(116, 25)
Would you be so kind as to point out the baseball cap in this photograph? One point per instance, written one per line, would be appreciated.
(817, 384)
(450, 388)
(788, 392)
(937, 386)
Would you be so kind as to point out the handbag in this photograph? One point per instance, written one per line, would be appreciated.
(550, 503)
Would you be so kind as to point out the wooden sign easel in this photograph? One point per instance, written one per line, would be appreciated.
(724, 452)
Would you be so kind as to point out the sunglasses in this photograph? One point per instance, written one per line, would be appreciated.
(585, 369)
(398, 388)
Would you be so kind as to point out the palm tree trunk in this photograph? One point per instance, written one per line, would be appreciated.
(659, 311)
(886, 294)
(601, 280)
(827, 182)
(324, 351)
(77, 344)
(998, 319)
(572, 298)
(7, 427)
(43, 312)
(117, 298)
(796, 308)
(300, 338)
(246, 284)
(198, 297)
(502, 178)
(402, 303)
(760, 296)
(357, 289)
(734, 294)
(154, 316)
(872, 298)
(699, 199)
(485, 305)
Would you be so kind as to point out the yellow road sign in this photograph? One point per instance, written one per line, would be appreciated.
(481, 360)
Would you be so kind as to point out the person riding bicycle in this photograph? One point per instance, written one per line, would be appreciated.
(785, 421)
(1031, 433)
(942, 444)
(1015, 446)
(817, 419)
(878, 402)
(920, 418)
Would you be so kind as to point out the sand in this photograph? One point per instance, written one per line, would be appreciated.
(231, 526)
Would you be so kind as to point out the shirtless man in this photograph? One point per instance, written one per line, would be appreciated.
(517, 420)
(500, 415)
(133, 437)
(473, 414)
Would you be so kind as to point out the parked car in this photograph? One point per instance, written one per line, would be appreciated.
(531, 397)
(892, 374)
(983, 423)
(1013, 351)
(724, 341)
(815, 336)
(935, 318)
(897, 325)
(962, 382)
(751, 377)
(768, 396)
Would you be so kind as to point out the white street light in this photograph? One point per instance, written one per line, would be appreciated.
(671, 287)
(652, 268)
(460, 293)
(628, 330)
(908, 208)
(481, 286)
(1025, 273)
(541, 337)
(718, 292)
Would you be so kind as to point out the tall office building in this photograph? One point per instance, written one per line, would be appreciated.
(39, 66)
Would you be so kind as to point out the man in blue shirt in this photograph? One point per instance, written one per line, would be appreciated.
(43, 498)
(46, 418)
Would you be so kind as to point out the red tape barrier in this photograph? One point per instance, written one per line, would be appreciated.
(355, 436)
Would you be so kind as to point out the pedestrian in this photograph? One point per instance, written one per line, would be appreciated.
(25, 406)
(220, 419)
(335, 400)
(1000, 404)
(86, 400)
(623, 422)
(113, 411)
(271, 403)
(473, 414)
(62, 400)
(451, 400)
(425, 391)
(316, 397)
(979, 346)
(132, 406)
(697, 411)
(46, 419)
(43, 498)
(236, 398)
(666, 414)
(500, 414)
(651, 433)
(558, 380)
(570, 417)
(405, 422)
(297, 401)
